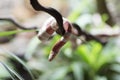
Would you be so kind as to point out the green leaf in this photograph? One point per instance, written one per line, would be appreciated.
(32, 47)
(13, 74)
(8, 33)
(77, 71)
(19, 61)
(59, 73)
(90, 53)
(83, 53)
(105, 17)
(55, 74)
(94, 51)
(3, 72)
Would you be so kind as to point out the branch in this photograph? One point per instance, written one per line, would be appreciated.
(13, 21)
(107, 35)
(88, 37)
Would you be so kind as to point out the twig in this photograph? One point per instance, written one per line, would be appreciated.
(88, 37)
(107, 35)
(13, 21)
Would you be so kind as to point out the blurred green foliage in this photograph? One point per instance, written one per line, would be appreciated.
(89, 61)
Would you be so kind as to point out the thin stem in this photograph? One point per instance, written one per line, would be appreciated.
(17, 24)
